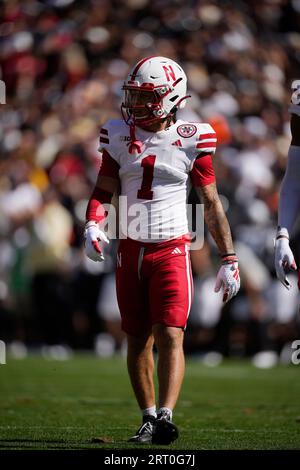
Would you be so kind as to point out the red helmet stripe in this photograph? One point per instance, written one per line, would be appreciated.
(138, 66)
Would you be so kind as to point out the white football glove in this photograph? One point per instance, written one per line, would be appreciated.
(228, 278)
(284, 258)
(92, 236)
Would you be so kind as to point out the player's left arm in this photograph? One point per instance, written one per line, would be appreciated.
(289, 201)
(107, 184)
(290, 190)
(203, 179)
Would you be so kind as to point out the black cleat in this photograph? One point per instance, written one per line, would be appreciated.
(145, 432)
(165, 431)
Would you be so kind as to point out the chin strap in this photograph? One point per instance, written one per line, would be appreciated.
(134, 145)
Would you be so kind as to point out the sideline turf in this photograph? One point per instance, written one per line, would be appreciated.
(64, 405)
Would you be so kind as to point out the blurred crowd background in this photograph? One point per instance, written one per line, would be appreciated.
(63, 63)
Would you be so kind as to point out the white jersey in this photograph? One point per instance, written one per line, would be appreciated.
(295, 99)
(156, 181)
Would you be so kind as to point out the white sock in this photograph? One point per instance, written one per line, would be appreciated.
(149, 411)
(169, 411)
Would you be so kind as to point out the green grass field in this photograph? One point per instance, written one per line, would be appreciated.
(64, 405)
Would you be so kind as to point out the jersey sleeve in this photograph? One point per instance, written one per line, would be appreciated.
(204, 146)
(109, 166)
(202, 172)
(206, 140)
(108, 138)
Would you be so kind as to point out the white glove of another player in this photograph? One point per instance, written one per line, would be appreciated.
(92, 236)
(228, 278)
(284, 258)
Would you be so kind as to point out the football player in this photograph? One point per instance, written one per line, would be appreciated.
(152, 158)
(289, 202)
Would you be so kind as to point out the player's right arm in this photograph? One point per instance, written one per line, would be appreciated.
(204, 181)
(228, 276)
(107, 184)
(289, 201)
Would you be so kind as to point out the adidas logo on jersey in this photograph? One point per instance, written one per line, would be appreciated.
(177, 143)
(176, 251)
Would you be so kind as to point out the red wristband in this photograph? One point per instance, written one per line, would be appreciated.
(229, 259)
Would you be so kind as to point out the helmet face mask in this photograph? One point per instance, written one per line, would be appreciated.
(138, 103)
(153, 91)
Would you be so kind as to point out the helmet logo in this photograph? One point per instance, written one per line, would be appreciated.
(170, 74)
(186, 130)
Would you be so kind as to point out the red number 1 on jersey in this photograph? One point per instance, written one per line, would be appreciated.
(148, 165)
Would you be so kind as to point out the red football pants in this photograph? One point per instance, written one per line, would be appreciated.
(154, 284)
